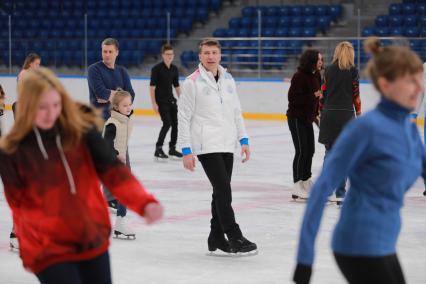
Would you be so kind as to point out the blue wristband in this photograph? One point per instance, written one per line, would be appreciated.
(186, 151)
(244, 141)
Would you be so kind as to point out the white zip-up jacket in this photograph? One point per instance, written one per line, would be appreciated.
(209, 113)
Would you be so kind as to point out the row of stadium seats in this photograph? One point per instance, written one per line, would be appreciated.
(281, 22)
(407, 8)
(334, 11)
(80, 5)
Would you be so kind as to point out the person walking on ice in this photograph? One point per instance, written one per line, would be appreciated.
(210, 124)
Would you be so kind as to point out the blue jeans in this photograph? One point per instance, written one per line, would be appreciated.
(92, 271)
(341, 188)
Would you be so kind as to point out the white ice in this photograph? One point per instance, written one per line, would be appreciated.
(174, 251)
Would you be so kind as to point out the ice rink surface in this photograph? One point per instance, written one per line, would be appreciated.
(175, 250)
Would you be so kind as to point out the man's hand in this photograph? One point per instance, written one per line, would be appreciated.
(245, 153)
(155, 107)
(153, 212)
(189, 162)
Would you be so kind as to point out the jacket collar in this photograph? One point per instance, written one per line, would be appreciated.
(208, 76)
(393, 110)
(120, 117)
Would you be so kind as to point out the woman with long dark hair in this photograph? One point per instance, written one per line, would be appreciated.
(303, 106)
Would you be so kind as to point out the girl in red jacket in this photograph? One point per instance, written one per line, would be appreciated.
(51, 164)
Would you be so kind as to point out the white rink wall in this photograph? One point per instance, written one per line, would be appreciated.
(257, 96)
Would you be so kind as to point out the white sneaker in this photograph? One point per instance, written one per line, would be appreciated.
(299, 191)
(122, 230)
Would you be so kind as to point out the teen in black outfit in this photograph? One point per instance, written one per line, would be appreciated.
(164, 75)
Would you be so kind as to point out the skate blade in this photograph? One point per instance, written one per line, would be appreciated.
(12, 248)
(229, 254)
(175, 158)
(160, 160)
(298, 199)
(121, 236)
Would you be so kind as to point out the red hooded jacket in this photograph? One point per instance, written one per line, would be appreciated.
(58, 208)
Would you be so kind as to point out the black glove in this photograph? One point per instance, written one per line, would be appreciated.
(302, 274)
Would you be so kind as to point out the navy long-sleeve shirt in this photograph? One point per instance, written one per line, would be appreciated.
(382, 154)
(102, 80)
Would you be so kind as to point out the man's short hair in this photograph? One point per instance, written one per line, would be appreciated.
(166, 47)
(209, 42)
(110, 41)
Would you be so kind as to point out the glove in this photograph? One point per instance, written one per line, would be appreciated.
(302, 274)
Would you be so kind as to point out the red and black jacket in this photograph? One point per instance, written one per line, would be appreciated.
(58, 209)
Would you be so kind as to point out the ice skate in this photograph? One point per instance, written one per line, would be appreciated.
(13, 243)
(160, 156)
(424, 193)
(175, 155)
(299, 191)
(122, 231)
(307, 184)
(218, 246)
(112, 206)
(334, 199)
(242, 247)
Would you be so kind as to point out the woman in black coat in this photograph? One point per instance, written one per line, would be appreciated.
(341, 100)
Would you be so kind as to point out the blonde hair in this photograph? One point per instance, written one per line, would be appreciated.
(344, 55)
(118, 96)
(390, 62)
(72, 122)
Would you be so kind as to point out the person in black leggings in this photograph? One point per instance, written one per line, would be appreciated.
(302, 112)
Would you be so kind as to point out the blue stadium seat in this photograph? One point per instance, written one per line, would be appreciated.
(336, 11)
(368, 31)
(268, 32)
(296, 22)
(396, 31)
(422, 20)
(409, 8)
(215, 4)
(245, 22)
(395, 20)
(309, 22)
(382, 31)
(296, 10)
(281, 32)
(322, 10)
(395, 9)
(411, 32)
(295, 32)
(410, 21)
(421, 9)
(272, 11)
(382, 21)
(308, 10)
(220, 32)
(284, 11)
(270, 22)
(284, 22)
(323, 23)
(248, 12)
(309, 32)
(234, 23)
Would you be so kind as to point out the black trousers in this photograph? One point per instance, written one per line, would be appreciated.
(93, 271)
(370, 270)
(302, 134)
(218, 168)
(168, 113)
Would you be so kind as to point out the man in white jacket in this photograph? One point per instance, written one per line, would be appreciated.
(209, 125)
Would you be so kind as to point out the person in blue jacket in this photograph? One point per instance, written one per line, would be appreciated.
(382, 154)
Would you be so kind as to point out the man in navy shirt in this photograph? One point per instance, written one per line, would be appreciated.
(164, 76)
(104, 77)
